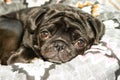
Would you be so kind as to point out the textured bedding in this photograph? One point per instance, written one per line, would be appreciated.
(101, 62)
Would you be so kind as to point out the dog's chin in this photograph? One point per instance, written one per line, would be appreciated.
(50, 53)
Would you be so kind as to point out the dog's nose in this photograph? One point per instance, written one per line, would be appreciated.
(59, 45)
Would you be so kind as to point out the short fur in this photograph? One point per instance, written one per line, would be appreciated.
(55, 33)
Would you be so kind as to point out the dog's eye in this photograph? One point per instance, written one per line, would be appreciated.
(80, 43)
(44, 35)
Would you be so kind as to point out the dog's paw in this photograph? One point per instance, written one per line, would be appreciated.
(16, 58)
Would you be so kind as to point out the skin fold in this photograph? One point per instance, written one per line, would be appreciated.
(55, 33)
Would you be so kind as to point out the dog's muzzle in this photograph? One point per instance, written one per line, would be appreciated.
(58, 52)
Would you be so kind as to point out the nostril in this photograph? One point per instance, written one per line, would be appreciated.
(59, 46)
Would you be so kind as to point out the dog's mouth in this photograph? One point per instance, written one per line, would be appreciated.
(58, 52)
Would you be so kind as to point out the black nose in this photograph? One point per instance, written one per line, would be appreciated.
(59, 45)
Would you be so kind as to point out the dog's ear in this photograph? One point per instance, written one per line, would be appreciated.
(98, 28)
(34, 19)
(100, 31)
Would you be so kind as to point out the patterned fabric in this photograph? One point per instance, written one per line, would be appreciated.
(92, 66)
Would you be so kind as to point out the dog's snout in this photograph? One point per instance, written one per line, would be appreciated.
(59, 45)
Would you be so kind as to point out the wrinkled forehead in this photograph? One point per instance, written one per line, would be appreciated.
(66, 19)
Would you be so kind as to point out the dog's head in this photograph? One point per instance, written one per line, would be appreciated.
(64, 32)
(61, 32)
(60, 39)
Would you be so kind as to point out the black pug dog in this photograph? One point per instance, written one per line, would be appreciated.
(55, 33)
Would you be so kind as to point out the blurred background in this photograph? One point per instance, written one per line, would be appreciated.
(11, 5)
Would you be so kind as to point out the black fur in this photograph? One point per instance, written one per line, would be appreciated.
(55, 33)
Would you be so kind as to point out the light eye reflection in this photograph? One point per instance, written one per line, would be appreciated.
(80, 42)
(44, 35)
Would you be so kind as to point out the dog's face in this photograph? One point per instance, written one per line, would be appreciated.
(60, 43)
(62, 35)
